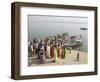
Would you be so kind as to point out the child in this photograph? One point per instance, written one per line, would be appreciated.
(77, 56)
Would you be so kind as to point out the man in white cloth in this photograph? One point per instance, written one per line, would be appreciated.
(48, 51)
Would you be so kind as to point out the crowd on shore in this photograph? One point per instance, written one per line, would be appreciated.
(49, 48)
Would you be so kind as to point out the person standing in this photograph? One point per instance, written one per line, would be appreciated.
(51, 51)
(62, 56)
(48, 51)
(78, 56)
(65, 52)
(59, 51)
(32, 49)
(77, 59)
(55, 54)
(39, 47)
(42, 55)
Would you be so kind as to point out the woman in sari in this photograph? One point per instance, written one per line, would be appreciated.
(55, 54)
(65, 52)
(59, 51)
(51, 51)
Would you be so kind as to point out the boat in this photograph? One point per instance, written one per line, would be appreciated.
(83, 28)
(74, 42)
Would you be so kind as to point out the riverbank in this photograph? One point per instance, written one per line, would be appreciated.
(70, 60)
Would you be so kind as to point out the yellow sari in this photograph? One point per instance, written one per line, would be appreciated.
(65, 53)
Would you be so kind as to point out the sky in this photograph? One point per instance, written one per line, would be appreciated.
(40, 26)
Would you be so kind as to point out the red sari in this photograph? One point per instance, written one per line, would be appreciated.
(59, 50)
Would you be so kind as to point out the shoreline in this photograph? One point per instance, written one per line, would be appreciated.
(70, 60)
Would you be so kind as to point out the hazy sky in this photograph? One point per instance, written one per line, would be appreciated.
(42, 26)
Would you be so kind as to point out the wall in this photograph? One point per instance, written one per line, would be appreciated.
(5, 40)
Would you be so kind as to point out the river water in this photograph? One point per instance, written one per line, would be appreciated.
(44, 26)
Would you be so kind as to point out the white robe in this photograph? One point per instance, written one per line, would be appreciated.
(48, 51)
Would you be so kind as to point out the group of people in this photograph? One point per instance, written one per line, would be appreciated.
(48, 49)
